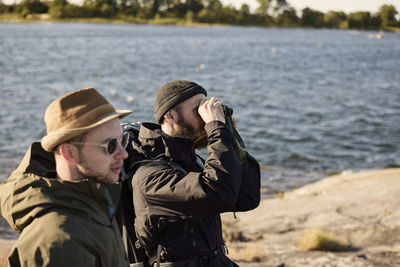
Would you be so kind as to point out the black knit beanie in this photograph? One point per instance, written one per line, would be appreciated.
(172, 93)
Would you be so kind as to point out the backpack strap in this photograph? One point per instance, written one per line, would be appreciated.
(125, 218)
(126, 213)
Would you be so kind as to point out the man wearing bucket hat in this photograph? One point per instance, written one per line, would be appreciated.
(63, 196)
(177, 196)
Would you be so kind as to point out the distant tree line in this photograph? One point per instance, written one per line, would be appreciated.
(277, 13)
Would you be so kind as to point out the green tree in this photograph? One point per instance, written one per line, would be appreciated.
(376, 21)
(5, 8)
(334, 19)
(228, 15)
(27, 7)
(100, 8)
(57, 9)
(244, 9)
(274, 7)
(359, 20)
(388, 16)
(263, 6)
(189, 16)
(210, 13)
(107, 10)
(145, 9)
(59, 3)
(244, 15)
(312, 18)
(279, 6)
(173, 8)
(155, 8)
(129, 7)
(262, 17)
(288, 18)
(194, 6)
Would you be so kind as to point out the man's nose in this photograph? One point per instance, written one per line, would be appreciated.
(121, 152)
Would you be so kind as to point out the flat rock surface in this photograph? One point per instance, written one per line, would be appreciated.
(5, 246)
(359, 209)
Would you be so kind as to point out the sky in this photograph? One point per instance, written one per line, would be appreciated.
(326, 5)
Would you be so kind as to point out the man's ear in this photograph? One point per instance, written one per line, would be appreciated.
(69, 152)
(169, 117)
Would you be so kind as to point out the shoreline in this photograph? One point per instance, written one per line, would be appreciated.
(44, 18)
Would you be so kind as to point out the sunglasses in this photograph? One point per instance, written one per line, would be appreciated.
(111, 145)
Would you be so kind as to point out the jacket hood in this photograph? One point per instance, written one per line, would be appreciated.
(32, 190)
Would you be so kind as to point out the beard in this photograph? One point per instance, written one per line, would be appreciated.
(89, 172)
(186, 130)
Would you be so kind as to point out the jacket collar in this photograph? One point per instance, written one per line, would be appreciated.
(156, 145)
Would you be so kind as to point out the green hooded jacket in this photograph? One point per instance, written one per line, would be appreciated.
(60, 223)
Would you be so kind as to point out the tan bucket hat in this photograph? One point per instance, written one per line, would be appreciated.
(76, 113)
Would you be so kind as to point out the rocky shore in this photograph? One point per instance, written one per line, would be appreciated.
(358, 211)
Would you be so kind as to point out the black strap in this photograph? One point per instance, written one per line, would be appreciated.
(125, 218)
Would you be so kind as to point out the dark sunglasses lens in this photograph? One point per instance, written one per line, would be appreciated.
(125, 140)
(112, 146)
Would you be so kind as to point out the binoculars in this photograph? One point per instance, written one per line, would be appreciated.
(227, 111)
(239, 146)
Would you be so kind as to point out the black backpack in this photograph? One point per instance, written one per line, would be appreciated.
(126, 213)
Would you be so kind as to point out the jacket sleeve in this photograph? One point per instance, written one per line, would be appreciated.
(249, 194)
(170, 191)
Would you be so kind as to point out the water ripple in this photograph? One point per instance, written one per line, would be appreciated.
(308, 102)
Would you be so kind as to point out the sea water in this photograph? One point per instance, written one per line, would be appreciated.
(308, 103)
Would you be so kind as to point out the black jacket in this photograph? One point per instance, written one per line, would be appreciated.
(178, 207)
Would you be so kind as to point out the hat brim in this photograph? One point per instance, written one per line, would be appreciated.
(52, 140)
